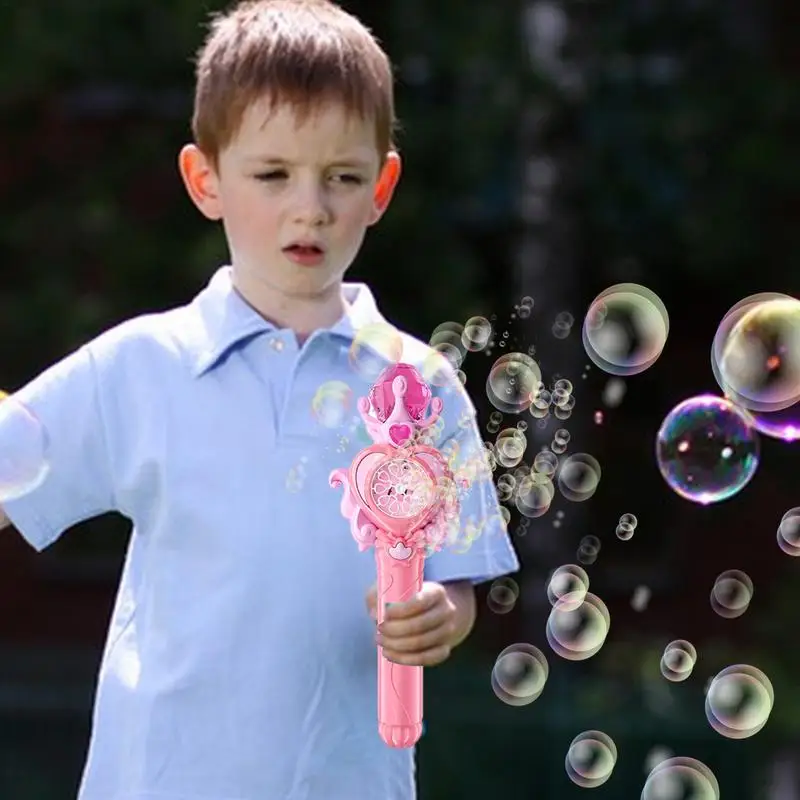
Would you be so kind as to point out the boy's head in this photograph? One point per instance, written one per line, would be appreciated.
(304, 84)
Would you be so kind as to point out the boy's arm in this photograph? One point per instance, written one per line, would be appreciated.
(77, 484)
(5, 522)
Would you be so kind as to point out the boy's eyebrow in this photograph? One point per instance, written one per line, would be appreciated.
(342, 162)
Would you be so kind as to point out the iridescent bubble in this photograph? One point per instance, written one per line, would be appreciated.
(510, 447)
(579, 477)
(629, 519)
(451, 334)
(578, 633)
(561, 436)
(568, 585)
(591, 544)
(625, 329)
(731, 593)
(24, 450)
(586, 556)
(678, 660)
(438, 369)
(563, 385)
(624, 531)
(534, 495)
(503, 595)
(512, 382)
(590, 759)
(331, 404)
(453, 354)
(681, 778)
(505, 487)
(739, 701)
(789, 532)
(545, 463)
(519, 674)
(707, 449)
(375, 347)
(476, 334)
(756, 361)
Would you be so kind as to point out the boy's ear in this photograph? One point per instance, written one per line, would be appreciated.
(384, 188)
(201, 181)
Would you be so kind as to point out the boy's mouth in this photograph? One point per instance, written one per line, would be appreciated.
(307, 255)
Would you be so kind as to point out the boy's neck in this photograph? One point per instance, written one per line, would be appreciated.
(302, 315)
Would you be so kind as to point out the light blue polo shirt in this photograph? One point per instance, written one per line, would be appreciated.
(240, 662)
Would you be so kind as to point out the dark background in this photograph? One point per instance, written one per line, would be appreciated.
(551, 149)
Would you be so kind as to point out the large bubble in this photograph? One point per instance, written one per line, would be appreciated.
(512, 383)
(707, 449)
(625, 329)
(590, 759)
(756, 361)
(577, 631)
(739, 701)
(519, 674)
(681, 778)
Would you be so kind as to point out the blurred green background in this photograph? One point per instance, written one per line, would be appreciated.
(551, 149)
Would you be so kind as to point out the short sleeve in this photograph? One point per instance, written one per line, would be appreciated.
(63, 402)
(483, 550)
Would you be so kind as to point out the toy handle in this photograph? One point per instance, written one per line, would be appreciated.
(399, 686)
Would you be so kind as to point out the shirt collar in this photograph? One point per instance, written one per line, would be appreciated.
(226, 319)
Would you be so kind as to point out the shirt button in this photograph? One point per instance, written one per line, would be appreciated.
(276, 344)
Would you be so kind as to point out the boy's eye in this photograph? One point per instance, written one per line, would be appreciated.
(279, 174)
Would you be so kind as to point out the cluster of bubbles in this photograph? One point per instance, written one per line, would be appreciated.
(707, 447)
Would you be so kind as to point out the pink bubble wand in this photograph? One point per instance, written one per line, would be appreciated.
(398, 497)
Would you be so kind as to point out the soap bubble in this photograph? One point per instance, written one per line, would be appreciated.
(24, 450)
(477, 333)
(512, 382)
(707, 449)
(375, 347)
(739, 701)
(331, 404)
(545, 463)
(503, 595)
(519, 674)
(731, 593)
(579, 477)
(534, 495)
(789, 532)
(577, 632)
(681, 778)
(625, 329)
(568, 585)
(756, 361)
(590, 759)
(678, 660)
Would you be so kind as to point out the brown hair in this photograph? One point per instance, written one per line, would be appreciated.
(302, 52)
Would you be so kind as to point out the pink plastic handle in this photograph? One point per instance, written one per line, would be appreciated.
(399, 686)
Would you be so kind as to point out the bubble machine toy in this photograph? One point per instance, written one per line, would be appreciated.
(399, 498)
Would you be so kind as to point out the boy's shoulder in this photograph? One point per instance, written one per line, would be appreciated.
(173, 332)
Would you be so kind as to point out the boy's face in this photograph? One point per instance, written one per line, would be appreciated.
(278, 183)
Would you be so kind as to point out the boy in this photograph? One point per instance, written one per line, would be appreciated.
(241, 661)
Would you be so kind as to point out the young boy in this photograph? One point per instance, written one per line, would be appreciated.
(241, 660)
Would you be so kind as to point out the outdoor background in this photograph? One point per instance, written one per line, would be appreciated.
(551, 149)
